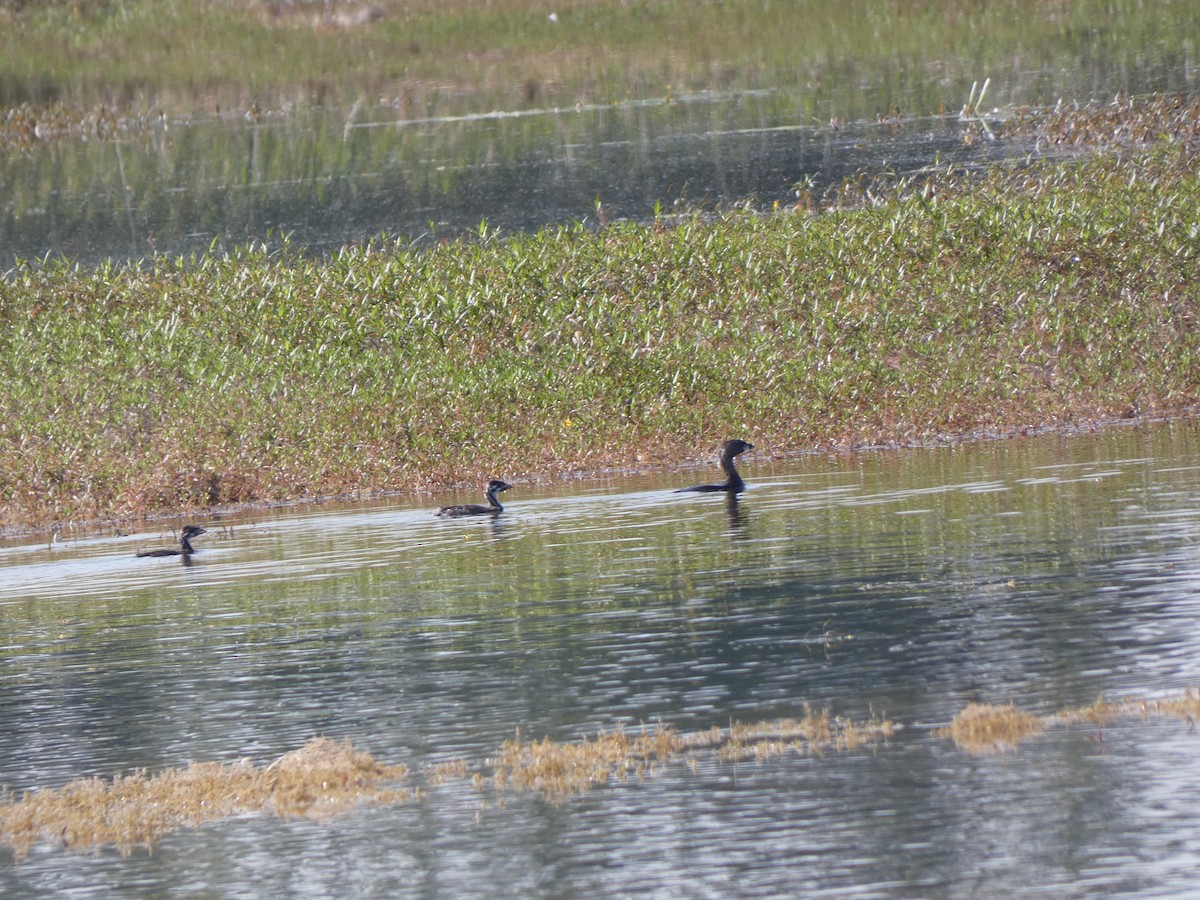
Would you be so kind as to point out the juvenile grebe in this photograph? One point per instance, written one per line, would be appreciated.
(493, 508)
(733, 484)
(185, 547)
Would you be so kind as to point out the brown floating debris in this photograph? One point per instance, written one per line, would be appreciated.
(325, 777)
(984, 728)
(560, 769)
(1185, 705)
(322, 778)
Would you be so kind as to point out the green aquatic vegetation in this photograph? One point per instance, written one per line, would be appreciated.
(70, 61)
(903, 311)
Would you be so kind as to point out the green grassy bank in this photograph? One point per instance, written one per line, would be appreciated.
(1050, 294)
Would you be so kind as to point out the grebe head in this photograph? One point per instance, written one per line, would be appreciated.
(735, 447)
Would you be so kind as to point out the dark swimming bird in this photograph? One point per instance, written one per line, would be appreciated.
(185, 547)
(733, 484)
(494, 487)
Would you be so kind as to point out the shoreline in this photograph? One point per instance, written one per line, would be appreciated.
(956, 307)
(680, 464)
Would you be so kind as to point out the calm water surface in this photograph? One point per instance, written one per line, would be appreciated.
(326, 178)
(330, 177)
(1042, 571)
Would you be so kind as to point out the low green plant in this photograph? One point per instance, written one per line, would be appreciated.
(904, 310)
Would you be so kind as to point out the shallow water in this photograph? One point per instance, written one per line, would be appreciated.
(326, 178)
(1043, 571)
(436, 169)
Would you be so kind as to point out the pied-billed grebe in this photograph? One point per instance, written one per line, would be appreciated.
(494, 487)
(733, 484)
(185, 547)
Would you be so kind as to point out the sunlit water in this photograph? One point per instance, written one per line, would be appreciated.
(1043, 571)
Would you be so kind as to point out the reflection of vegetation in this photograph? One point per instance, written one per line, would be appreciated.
(325, 177)
(178, 161)
(942, 306)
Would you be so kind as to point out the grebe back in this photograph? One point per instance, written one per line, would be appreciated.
(494, 487)
(185, 547)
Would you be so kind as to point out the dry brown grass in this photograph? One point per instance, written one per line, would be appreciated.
(1122, 122)
(814, 734)
(985, 728)
(1184, 706)
(558, 769)
(320, 779)
(325, 778)
(561, 769)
